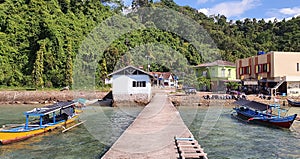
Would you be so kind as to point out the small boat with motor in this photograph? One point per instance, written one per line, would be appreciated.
(260, 113)
(39, 121)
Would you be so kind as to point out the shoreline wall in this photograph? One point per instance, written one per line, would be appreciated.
(44, 97)
(141, 99)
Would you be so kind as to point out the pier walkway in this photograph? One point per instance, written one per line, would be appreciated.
(152, 133)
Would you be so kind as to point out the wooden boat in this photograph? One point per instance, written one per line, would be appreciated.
(105, 102)
(255, 112)
(293, 103)
(47, 118)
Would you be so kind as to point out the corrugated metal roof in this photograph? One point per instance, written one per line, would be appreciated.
(252, 104)
(217, 63)
(130, 69)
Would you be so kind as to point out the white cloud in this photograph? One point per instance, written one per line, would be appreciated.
(204, 11)
(290, 11)
(231, 8)
(283, 13)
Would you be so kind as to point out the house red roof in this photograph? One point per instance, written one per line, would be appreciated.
(216, 63)
(165, 75)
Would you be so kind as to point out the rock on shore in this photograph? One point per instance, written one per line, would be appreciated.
(44, 97)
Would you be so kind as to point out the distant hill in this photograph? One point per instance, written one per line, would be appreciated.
(40, 39)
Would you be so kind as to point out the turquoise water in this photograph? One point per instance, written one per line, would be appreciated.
(222, 138)
(230, 138)
(80, 142)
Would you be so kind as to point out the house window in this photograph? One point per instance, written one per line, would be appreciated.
(204, 73)
(213, 72)
(229, 72)
(138, 83)
(223, 72)
(262, 68)
(244, 70)
(265, 67)
(297, 67)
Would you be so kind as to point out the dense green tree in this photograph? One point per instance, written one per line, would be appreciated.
(38, 67)
(39, 39)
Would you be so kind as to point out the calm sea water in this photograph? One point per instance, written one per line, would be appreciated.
(230, 138)
(90, 140)
(219, 134)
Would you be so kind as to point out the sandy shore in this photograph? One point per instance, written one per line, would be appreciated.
(43, 97)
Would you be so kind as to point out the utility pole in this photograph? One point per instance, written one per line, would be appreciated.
(148, 65)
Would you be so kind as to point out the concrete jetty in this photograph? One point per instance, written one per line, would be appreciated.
(152, 133)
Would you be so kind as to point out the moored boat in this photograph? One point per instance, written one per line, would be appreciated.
(105, 102)
(260, 113)
(293, 103)
(39, 121)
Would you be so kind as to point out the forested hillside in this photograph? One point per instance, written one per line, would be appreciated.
(39, 39)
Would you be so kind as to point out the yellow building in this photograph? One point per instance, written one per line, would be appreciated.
(271, 72)
(218, 72)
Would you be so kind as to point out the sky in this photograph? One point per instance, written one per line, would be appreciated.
(241, 9)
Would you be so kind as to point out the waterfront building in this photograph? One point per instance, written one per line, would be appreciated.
(218, 72)
(131, 85)
(165, 79)
(271, 73)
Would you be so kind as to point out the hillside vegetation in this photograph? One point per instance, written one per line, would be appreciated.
(39, 39)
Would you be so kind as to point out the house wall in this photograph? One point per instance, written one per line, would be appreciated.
(242, 63)
(293, 88)
(216, 75)
(280, 64)
(124, 92)
(231, 76)
(217, 72)
(171, 81)
(285, 64)
(233, 73)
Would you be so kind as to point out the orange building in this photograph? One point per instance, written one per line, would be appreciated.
(271, 73)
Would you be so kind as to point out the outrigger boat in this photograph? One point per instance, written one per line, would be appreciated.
(260, 113)
(58, 115)
(293, 103)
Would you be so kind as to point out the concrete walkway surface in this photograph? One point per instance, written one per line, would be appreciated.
(152, 133)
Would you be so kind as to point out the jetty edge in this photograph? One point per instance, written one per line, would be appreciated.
(156, 133)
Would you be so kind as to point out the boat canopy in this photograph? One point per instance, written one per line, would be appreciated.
(252, 104)
(50, 108)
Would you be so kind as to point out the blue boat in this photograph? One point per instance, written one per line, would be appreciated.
(260, 113)
(293, 103)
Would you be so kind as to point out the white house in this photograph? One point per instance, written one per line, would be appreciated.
(131, 85)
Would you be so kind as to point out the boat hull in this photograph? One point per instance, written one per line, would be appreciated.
(293, 103)
(105, 102)
(275, 123)
(258, 118)
(7, 137)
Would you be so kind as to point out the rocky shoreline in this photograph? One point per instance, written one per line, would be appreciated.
(44, 97)
(181, 99)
